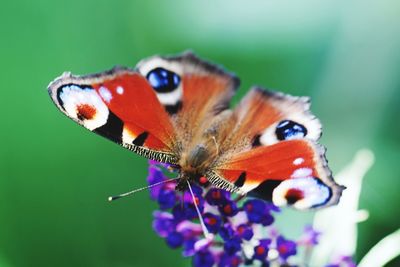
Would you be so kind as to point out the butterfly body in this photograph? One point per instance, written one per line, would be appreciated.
(176, 110)
(201, 152)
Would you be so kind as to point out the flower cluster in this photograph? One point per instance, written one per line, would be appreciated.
(238, 231)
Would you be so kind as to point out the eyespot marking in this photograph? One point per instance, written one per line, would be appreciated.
(302, 193)
(288, 130)
(293, 195)
(85, 111)
(83, 104)
(162, 80)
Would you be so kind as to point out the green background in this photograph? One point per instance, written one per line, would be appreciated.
(55, 177)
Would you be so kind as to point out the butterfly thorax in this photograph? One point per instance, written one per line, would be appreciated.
(197, 160)
(203, 149)
(194, 163)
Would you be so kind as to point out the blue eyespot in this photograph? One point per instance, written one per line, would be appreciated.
(162, 80)
(287, 130)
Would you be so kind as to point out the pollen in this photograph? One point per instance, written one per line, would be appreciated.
(85, 111)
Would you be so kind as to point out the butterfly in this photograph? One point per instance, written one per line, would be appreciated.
(175, 110)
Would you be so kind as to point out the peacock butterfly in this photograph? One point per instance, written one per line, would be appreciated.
(176, 110)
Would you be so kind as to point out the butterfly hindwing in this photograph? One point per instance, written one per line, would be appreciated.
(121, 106)
(267, 117)
(289, 172)
(280, 159)
(191, 90)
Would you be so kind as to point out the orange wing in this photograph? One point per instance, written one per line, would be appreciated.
(261, 110)
(278, 158)
(157, 110)
(292, 172)
(204, 91)
(119, 105)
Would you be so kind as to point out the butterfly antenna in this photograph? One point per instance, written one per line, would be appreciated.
(112, 198)
(203, 226)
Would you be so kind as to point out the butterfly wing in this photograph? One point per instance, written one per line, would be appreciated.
(204, 91)
(280, 159)
(121, 106)
(155, 110)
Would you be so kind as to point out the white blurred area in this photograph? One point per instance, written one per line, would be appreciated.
(338, 224)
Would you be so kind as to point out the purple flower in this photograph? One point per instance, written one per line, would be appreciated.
(245, 232)
(228, 209)
(344, 261)
(226, 232)
(258, 212)
(174, 239)
(188, 247)
(163, 223)
(217, 197)
(203, 259)
(229, 261)
(232, 246)
(184, 211)
(212, 221)
(155, 176)
(286, 248)
(261, 250)
(230, 235)
(310, 237)
(166, 199)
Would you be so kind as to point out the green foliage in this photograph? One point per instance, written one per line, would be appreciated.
(55, 177)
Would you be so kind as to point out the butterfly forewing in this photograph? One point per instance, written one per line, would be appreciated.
(121, 106)
(158, 110)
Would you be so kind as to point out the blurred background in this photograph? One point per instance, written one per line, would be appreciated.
(55, 176)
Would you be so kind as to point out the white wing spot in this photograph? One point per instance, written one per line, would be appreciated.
(302, 172)
(298, 161)
(73, 97)
(105, 94)
(120, 90)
